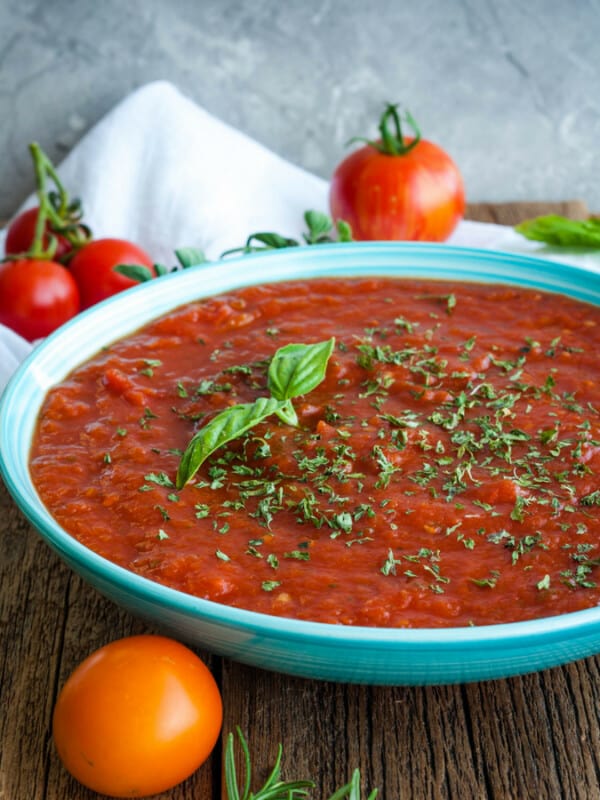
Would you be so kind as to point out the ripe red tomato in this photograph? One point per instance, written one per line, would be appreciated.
(21, 233)
(36, 296)
(93, 268)
(398, 188)
(137, 717)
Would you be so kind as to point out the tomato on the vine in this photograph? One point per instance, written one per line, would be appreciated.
(36, 296)
(137, 717)
(93, 268)
(21, 234)
(60, 217)
(398, 188)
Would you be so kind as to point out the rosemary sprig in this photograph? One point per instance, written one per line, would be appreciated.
(274, 788)
(351, 791)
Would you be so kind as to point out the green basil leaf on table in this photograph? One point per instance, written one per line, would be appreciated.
(553, 229)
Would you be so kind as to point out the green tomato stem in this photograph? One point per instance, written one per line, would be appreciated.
(37, 247)
(56, 209)
(44, 169)
(393, 142)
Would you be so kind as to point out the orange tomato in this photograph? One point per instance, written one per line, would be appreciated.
(137, 717)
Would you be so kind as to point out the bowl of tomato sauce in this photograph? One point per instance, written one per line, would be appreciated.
(373, 463)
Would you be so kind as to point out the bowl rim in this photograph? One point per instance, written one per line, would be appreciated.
(233, 273)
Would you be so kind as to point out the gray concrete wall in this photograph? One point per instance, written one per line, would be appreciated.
(511, 88)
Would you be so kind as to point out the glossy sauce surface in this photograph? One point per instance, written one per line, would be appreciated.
(445, 473)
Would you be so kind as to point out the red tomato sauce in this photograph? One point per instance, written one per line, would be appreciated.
(445, 472)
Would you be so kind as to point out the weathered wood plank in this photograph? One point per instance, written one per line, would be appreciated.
(531, 736)
(513, 213)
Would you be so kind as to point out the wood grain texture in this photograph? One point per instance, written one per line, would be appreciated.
(513, 213)
(535, 736)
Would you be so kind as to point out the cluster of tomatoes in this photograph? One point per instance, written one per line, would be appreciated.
(53, 267)
(396, 187)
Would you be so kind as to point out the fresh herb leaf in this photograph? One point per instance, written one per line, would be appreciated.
(257, 242)
(268, 586)
(229, 424)
(160, 479)
(297, 369)
(544, 583)
(287, 413)
(344, 231)
(136, 272)
(592, 499)
(190, 256)
(320, 227)
(556, 230)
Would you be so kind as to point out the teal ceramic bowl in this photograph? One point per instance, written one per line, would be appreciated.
(314, 650)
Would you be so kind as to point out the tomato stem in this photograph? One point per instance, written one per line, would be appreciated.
(393, 142)
(55, 208)
(58, 216)
(37, 247)
(63, 209)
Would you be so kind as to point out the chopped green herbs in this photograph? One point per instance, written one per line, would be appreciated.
(269, 586)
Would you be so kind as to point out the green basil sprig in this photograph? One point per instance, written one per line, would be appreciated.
(187, 257)
(321, 230)
(561, 231)
(295, 370)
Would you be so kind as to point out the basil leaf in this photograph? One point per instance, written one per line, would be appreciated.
(319, 227)
(556, 230)
(266, 241)
(297, 369)
(287, 413)
(226, 426)
(294, 370)
(137, 272)
(271, 241)
(190, 256)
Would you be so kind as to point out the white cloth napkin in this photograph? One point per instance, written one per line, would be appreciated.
(162, 172)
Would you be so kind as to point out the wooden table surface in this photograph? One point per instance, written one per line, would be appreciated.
(535, 736)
